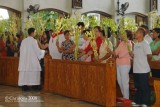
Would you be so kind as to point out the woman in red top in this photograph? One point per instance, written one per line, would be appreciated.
(89, 50)
(2, 48)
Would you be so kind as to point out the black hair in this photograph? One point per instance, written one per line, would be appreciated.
(66, 31)
(31, 30)
(157, 30)
(98, 27)
(85, 31)
(48, 35)
(51, 30)
(129, 34)
(103, 33)
(80, 24)
(18, 35)
(109, 32)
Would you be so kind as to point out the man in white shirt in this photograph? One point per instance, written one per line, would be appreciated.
(29, 65)
(147, 37)
(142, 53)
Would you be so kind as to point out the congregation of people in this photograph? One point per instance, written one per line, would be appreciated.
(141, 46)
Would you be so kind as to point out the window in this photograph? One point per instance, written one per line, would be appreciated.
(4, 14)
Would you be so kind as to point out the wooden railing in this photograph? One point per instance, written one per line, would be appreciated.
(9, 71)
(92, 82)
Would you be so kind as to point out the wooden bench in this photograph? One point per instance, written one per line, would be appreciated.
(9, 71)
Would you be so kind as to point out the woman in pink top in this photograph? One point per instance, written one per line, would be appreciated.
(123, 65)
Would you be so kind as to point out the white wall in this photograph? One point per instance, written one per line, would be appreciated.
(14, 4)
(64, 5)
(159, 7)
(99, 5)
(141, 6)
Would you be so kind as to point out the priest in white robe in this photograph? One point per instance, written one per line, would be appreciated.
(29, 65)
(55, 54)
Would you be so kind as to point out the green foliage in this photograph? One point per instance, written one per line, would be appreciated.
(13, 25)
(41, 21)
(155, 19)
(128, 24)
(107, 22)
(3, 26)
(90, 21)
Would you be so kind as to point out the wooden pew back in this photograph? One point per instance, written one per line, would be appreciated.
(92, 82)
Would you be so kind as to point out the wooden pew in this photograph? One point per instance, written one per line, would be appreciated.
(157, 92)
(9, 71)
(155, 82)
(92, 82)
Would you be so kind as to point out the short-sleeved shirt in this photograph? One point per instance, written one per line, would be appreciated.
(154, 46)
(148, 39)
(123, 53)
(141, 50)
(66, 46)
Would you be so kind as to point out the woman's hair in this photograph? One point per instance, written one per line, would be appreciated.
(98, 27)
(103, 33)
(80, 24)
(48, 35)
(85, 31)
(109, 32)
(129, 34)
(157, 30)
(66, 31)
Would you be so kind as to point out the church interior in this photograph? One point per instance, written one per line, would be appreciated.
(96, 53)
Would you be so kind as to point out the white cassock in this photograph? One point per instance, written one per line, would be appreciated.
(29, 65)
(53, 51)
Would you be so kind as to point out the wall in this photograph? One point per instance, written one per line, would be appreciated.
(100, 5)
(159, 7)
(64, 5)
(141, 6)
(14, 4)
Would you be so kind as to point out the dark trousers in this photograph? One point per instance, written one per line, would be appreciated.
(155, 73)
(143, 92)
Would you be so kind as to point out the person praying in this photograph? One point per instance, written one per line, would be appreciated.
(29, 65)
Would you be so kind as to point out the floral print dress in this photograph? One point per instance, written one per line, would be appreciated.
(66, 46)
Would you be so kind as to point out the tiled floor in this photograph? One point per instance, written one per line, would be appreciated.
(14, 97)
